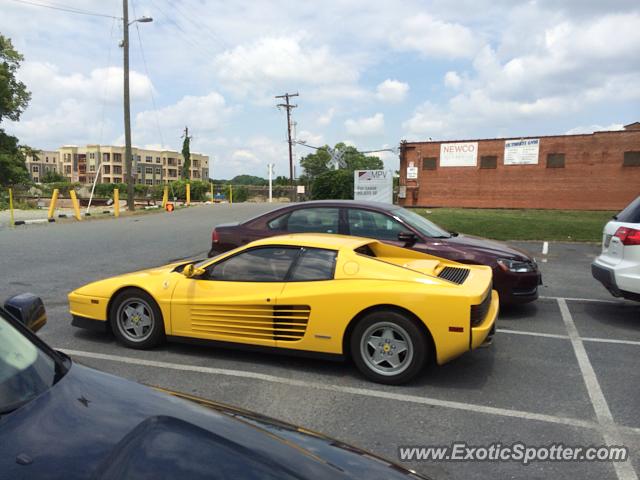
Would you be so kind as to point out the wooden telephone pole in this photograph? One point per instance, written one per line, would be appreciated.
(289, 107)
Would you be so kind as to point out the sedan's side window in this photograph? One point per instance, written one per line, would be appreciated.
(365, 223)
(316, 220)
(268, 264)
(314, 264)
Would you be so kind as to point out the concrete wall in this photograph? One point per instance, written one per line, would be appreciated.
(593, 177)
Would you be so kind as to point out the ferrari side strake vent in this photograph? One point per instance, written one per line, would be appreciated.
(454, 274)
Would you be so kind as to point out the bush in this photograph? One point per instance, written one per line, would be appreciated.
(334, 184)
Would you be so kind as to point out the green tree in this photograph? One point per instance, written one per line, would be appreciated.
(14, 98)
(52, 177)
(186, 154)
(333, 184)
(249, 180)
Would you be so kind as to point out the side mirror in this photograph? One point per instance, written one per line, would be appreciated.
(28, 309)
(408, 238)
(191, 271)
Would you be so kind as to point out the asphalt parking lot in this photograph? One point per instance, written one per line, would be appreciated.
(561, 370)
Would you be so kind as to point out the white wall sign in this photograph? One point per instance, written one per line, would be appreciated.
(412, 173)
(300, 189)
(459, 154)
(373, 185)
(521, 152)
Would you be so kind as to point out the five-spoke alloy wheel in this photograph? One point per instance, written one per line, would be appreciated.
(388, 347)
(136, 319)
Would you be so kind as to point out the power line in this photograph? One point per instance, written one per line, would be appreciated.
(64, 8)
(146, 69)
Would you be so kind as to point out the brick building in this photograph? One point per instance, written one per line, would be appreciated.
(598, 171)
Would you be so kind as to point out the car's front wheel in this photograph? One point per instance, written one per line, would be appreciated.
(136, 319)
(388, 347)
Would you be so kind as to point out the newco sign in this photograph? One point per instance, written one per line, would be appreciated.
(459, 154)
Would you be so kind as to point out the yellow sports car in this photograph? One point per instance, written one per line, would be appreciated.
(389, 308)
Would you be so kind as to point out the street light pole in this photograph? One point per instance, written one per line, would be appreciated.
(127, 108)
(128, 161)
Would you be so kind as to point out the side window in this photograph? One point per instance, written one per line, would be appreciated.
(316, 220)
(314, 264)
(279, 223)
(268, 264)
(365, 223)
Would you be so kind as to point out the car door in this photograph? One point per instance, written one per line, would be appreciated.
(235, 300)
(316, 300)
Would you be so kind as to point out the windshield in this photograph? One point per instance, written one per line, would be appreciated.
(25, 371)
(420, 223)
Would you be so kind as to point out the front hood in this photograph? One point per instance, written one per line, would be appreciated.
(488, 247)
(95, 425)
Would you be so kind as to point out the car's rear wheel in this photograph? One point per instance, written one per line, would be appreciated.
(388, 347)
(136, 319)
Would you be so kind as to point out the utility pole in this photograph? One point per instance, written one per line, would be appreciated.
(127, 109)
(289, 107)
(271, 167)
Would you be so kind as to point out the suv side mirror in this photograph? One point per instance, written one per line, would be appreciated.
(408, 238)
(28, 309)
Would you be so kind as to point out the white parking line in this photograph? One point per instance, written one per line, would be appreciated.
(610, 432)
(566, 337)
(593, 300)
(468, 407)
(545, 248)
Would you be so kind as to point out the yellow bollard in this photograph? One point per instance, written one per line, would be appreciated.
(116, 203)
(188, 194)
(76, 205)
(12, 223)
(230, 194)
(165, 197)
(211, 184)
(52, 205)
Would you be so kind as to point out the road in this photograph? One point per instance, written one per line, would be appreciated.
(561, 370)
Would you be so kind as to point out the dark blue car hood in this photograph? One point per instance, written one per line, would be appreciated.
(92, 425)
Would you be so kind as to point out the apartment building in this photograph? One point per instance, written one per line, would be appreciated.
(41, 162)
(150, 167)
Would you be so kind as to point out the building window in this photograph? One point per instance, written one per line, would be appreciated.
(92, 156)
(148, 170)
(488, 161)
(148, 159)
(92, 168)
(631, 159)
(148, 181)
(67, 169)
(34, 169)
(107, 169)
(117, 157)
(117, 180)
(117, 169)
(158, 171)
(106, 157)
(158, 160)
(555, 160)
(429, 163)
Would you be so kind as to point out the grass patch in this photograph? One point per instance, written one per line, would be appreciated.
(558, 225)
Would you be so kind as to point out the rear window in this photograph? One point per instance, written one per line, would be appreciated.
(631, 214)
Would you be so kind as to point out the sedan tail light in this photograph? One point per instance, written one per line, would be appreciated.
(628, 236)
(214, 236)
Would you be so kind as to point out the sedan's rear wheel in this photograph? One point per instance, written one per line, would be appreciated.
(136, 320)
(388, 347)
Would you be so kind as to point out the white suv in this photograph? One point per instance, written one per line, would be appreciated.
(618, 266)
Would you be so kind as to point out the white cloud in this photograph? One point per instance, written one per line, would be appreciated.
(316, 140)
(433, 37)
(325, 119)
(281, 61)
(366, 126)
(452, 80)
(595, 128)
(392, 91)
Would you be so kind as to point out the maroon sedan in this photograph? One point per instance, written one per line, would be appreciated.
(515, 274)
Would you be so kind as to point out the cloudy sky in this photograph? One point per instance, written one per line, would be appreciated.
(368, 72)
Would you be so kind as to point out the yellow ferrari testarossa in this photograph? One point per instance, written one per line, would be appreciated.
(391, 309)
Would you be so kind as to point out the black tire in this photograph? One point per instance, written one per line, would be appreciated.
(138, 335)
(378, 325)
